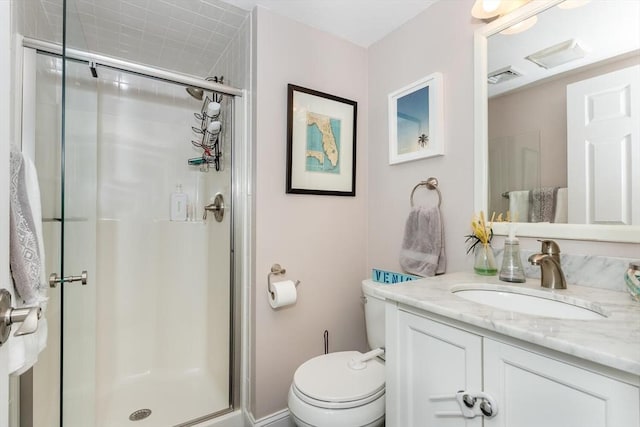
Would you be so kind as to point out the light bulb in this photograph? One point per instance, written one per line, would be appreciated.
(487, 9)
(490, 5)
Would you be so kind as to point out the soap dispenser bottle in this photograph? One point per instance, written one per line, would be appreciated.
(178, 205)
(512, 270)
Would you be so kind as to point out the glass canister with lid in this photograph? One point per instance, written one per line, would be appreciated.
(632, 279)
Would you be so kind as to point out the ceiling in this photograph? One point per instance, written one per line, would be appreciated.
(189, 36)
(362, 22)
(603, 30)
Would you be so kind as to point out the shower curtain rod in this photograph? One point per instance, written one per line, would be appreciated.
(132, 67)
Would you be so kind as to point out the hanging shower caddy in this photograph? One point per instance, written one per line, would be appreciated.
(209, 132)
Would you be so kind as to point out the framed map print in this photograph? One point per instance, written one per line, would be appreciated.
(321, 143)
(415, 120)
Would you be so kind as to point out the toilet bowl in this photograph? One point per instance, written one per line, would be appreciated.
(326, 391)
(343, 389)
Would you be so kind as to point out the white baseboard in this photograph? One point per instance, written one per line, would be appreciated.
(233, 419)
(277, 419)
(240, 419)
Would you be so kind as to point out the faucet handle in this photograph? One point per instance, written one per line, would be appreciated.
(549, 247)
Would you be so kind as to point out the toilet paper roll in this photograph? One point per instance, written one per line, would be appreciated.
(282, 293)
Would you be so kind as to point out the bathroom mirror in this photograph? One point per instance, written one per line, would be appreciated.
(551, 27)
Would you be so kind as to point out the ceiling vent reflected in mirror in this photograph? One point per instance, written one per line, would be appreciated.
(503, 75)
(558, 54)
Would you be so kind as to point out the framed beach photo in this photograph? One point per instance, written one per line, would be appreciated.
(321, 143)
(415, 120)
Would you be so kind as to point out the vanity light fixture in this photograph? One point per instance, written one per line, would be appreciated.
(490, 9)
(558, 54)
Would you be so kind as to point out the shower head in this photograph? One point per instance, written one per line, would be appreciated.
(198, 92)
(195, 92)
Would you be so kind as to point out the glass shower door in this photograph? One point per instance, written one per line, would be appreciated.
(78, 230)
(78, 300)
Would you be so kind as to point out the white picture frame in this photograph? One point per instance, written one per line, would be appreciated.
(415, 120)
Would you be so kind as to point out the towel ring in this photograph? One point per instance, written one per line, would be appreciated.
(431, 184)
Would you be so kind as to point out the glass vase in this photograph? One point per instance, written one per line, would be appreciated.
(485, 261)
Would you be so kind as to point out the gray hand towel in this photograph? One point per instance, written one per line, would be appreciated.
(542, 204)
(24, 253)
(422, 250)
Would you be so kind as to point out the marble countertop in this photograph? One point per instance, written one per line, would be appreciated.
(613, 341)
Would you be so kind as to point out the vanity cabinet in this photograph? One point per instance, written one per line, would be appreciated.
(428, 361)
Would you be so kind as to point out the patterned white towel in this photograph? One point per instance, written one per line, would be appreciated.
(24, 257)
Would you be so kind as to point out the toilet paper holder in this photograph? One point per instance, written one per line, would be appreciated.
(276, 269)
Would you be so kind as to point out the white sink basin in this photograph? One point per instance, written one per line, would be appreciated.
(527, 301)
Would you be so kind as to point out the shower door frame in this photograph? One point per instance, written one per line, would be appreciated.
(240, 177)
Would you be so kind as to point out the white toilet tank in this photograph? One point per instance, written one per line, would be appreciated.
(373, 315)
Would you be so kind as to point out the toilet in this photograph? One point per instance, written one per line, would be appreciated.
(347, 388)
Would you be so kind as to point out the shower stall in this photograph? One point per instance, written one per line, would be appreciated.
(153, 338)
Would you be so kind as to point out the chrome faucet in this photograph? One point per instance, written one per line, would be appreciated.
(549, 261)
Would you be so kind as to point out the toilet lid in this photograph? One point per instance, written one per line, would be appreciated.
(329, 378)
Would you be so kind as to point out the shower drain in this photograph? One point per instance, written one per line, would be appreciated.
(140, 414)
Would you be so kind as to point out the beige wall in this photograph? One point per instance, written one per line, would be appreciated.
(439, 39)
(320, 240)
(543, 107)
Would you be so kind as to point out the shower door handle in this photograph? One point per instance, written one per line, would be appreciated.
(54, 279)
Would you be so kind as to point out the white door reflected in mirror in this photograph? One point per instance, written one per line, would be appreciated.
(603, 143)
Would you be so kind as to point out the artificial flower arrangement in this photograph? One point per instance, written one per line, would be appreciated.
(482, 232)
(485, 262)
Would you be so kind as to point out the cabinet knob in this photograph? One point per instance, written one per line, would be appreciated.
(469, 401)
(486, 409)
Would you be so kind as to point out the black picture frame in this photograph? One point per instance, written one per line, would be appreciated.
(321, 143)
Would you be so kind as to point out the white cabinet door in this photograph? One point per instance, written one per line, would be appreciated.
(434, 361)
(532, 391)
(603, 148)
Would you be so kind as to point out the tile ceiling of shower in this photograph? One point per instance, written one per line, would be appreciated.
(187, 36)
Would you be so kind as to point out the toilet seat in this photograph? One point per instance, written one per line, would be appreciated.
(328, 382)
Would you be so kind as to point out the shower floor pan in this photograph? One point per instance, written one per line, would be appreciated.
(171, 401)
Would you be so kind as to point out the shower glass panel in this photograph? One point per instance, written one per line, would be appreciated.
(79, 230)
(79, 236)
(149, 336)
(163, 287)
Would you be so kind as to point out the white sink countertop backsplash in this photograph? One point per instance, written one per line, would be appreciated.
(595, 271)
(613, 341)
